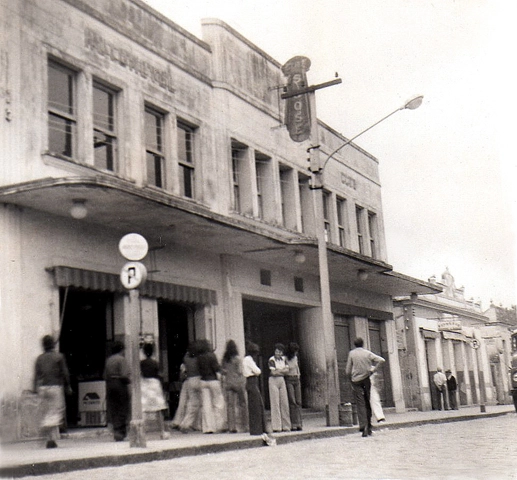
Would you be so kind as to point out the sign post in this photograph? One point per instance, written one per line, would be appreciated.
(134, 247)
(482, 394)
(302, 124)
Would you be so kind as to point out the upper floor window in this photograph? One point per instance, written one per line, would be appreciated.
(326, 215)
(62, 114)
(236, 174)
(154, 147)
(372, 233)
(341, 220)
(359, 211)
(186, 159)
(104, 131)
(264, 183)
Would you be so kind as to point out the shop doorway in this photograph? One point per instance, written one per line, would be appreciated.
(344, 343)
(176, 331)
(86, 330)
(267, 324)
(379, 346)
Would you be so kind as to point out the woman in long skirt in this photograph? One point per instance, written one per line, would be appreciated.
(51, 380)
(153, 399)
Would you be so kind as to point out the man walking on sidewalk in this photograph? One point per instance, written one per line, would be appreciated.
(360, 365)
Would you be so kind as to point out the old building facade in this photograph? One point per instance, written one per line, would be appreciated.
(450, 332)
(116, 120)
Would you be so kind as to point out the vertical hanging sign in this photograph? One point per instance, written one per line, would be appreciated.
(297, 108)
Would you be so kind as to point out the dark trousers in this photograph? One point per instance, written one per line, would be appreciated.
(452, 400)
(361, 391)
(256, 412)
(294, 394)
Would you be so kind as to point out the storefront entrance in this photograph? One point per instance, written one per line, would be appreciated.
(176, 331)
(267, 324)
(86, 330)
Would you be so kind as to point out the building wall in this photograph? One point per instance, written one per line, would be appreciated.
(227, 90)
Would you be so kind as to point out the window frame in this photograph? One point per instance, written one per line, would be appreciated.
(70, 117)
(158, 150)
(106, 131)
(187, 165)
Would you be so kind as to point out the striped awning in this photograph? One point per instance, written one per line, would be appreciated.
(109, 282)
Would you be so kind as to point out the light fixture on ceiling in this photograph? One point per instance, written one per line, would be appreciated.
(362, 274)
(78, 209)
(299, 256)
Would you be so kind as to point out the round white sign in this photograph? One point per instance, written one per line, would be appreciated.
(133, 274)
(133, 246)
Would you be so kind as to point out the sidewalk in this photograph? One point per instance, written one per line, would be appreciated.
(95, 448)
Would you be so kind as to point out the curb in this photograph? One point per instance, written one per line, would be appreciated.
(64, 466)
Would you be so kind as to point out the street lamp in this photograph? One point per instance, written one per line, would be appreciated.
(412, 104)
(333, 396)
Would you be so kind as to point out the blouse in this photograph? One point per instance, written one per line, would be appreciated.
(249, 367)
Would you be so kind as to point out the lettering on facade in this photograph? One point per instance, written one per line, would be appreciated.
(297, 109)
(450, 325)
(95, 42)
(348, 181)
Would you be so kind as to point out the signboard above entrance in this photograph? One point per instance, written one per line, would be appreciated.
(454, 325)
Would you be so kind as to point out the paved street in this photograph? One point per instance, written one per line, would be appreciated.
(474, 449)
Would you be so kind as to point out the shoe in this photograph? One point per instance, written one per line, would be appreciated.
(365, 433)
(369, 431)
(381, 420)
(51, 444)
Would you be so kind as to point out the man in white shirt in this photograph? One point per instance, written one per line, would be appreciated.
(361, 364)
(440, 382)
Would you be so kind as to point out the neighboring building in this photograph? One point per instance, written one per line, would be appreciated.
(116, 120)
(446, 330)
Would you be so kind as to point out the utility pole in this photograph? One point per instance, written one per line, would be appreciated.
(296, 68)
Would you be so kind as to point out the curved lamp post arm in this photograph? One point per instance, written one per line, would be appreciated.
(411, 105)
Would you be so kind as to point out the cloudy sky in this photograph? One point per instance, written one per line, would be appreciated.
(447, 174)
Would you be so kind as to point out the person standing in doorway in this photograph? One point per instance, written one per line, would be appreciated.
(153, 399)
(51, 381)
(440, 382)
(118, 399)
(280, 417)
(452, 386)
(375, 399)
(294, 389)
(361, 364)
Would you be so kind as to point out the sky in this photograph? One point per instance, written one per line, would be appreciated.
(447, 169)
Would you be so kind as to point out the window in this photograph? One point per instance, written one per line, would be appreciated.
(265, 277)
(341, 220)
(186, 159)
(62, 120)
(104, 133)
(261, 166)
(305, 201)
(236, 174)
(298, 284)
(360, 233)
(154, 147)
(287, 196)
(372, 232)
(326, 215)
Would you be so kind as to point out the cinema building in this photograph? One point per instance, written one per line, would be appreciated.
(115, 120)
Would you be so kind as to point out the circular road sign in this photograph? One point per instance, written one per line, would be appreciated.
(133, 246)
(133, 274)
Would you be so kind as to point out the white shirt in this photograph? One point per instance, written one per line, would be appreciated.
(249, 367)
